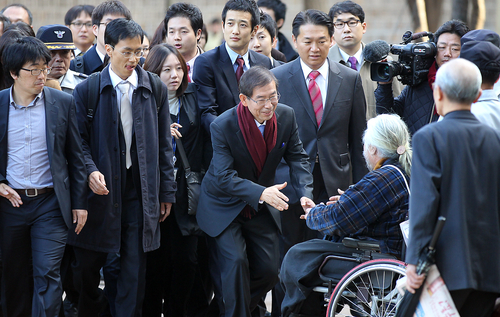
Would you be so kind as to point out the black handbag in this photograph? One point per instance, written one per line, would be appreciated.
(193, 180)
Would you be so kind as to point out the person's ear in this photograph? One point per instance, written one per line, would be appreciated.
(372, 150)
(244, 100)
(198, 35)
(109, 50)
(14, 76)
(95, 29)
(275, 42)
(279, 23)
(294, 39)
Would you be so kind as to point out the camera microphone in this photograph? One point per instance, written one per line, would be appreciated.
(376, 51)
(409, 36)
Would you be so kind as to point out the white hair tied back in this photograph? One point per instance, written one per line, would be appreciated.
(389, 134)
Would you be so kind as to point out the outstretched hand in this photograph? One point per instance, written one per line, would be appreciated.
(274, 197)
(7, 192)
(307, 204)
(332, 200)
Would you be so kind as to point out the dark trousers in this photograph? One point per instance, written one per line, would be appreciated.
(294, 230)
(34, 233)
(472, 303)
(299, 275)
(248, 259)
(130, 283)
(171, 273)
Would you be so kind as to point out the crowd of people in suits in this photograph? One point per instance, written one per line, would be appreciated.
(100, 175)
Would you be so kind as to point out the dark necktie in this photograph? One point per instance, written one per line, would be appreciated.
(239, 70)
(353, 62)
(315, 93)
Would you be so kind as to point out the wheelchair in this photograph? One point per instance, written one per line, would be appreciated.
(368, 289)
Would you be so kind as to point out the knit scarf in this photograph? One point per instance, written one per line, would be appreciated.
(258, 146)
(431, 78)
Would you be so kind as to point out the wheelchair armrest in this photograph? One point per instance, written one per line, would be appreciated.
(361, 244)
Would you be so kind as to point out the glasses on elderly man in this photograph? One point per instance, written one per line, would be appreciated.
(261, 102)
(36, 71)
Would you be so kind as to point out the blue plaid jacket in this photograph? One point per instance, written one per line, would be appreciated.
(372, 208)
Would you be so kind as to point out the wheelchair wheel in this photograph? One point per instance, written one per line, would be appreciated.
(368, 290)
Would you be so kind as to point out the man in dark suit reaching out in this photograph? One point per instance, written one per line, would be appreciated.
(239, 201)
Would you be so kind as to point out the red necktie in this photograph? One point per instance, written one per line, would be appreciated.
(315, 94)
(239, 70)
(189, 77)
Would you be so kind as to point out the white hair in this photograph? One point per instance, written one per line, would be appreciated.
(387, 133)
(460, 80)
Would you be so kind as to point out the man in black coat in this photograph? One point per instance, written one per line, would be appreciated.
(455, 174)
(128, 154)
(240, 203)
(42, 182)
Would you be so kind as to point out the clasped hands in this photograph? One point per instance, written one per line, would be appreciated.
(308, 204)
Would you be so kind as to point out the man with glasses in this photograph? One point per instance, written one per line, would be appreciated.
(42, 181)
(349, 26)
(130, 171)
(240, 202)
(94, 59)
(79, 20)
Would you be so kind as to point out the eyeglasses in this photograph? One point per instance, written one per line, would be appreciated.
(339, 25)
(79, 25)
(129, 54)
(37, 72)
(263, 102)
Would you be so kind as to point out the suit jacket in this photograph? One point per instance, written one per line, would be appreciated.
(456, 174)
(369, 85)
(338, 140)
(216, 80)
(91, 62)
(64, 147)
(231, 182)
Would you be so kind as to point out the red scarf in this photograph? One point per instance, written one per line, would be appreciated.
(431, 78)
(258, 146)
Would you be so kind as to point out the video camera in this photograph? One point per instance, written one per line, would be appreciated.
(413, 63)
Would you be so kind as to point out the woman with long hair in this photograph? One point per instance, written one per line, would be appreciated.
(177, 260)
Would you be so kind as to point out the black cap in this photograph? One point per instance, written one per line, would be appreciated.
(56, 37)
(484, 54)
(481, 35)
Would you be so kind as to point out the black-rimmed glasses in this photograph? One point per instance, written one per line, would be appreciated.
(37, 72)
(339, 25)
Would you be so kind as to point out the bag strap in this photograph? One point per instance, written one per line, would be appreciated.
(93, 83)
(400, 172)
(79, 65)
(184, 159)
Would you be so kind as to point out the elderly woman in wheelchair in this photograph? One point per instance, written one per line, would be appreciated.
(357, 267)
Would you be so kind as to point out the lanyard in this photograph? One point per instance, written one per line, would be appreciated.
(174, 144)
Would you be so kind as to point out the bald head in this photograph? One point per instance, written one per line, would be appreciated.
(459, 80)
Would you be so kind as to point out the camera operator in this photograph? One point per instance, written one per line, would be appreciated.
(415, 104)
(349, 26)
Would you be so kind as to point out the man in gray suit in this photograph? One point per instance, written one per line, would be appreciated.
(330, 108)
(349, 26)
(43, 181)
(331, 123)
(456, 174)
